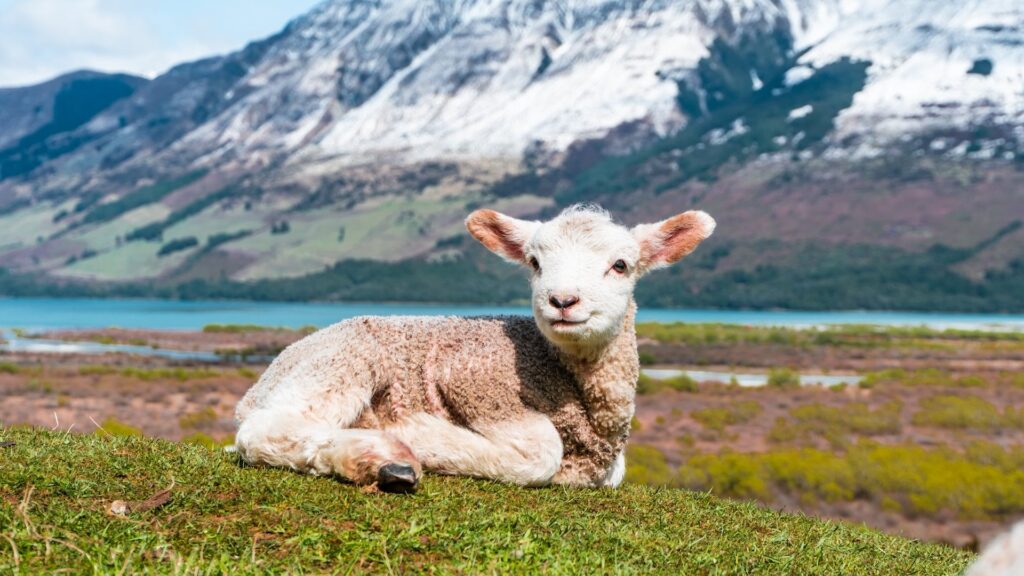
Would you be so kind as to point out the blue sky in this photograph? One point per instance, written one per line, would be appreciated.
(40, 39)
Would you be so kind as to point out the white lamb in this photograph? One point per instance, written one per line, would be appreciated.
(1003, 557)
(530, 401)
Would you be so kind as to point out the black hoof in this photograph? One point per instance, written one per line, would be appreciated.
(397, 478)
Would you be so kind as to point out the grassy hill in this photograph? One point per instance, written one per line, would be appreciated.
(56, 491)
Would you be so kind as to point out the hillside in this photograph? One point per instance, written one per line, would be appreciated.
(856, 153)
(56, 490)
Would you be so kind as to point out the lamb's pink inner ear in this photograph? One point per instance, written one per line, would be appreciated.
(668, 241)
(503, 235)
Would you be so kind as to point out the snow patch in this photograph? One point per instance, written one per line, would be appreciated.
(797, 113)
(797, 74)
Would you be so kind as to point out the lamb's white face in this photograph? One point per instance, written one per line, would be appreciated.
(584, 266)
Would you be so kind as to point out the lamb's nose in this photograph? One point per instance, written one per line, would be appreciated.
(562, 302)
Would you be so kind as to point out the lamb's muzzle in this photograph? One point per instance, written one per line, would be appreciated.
(530, 401)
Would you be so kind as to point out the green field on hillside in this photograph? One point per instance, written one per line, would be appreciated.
(56, 491)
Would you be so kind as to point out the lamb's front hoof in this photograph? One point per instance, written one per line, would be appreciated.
(399, 478)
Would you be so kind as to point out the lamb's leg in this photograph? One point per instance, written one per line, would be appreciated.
(301, 442)
(526, 451)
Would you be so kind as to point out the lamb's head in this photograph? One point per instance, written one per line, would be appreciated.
(584, 266)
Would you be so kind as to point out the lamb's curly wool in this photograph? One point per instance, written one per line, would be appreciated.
(471, 372)
(533, 401)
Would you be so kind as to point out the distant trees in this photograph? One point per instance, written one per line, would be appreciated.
(177, 245)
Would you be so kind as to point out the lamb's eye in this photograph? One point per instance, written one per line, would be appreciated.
(534, 263)
(619, 266)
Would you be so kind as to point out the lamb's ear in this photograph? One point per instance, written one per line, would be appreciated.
(503, 235)
(665, 242)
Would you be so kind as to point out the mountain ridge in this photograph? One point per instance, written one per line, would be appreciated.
(366, 130)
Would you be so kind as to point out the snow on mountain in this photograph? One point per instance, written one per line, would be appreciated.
(359, 81)
(921, 53)
(483, 78)
(410, 80)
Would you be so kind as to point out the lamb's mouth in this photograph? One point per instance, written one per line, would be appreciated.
(566, 323)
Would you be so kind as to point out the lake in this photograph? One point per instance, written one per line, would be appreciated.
(51, 313)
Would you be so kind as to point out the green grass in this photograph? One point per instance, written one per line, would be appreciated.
(141, 197)
(56, 488)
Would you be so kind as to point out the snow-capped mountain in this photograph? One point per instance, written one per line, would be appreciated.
(447, 103)
(438, 79)
(936, 65)
(442, 79)
(405, 80)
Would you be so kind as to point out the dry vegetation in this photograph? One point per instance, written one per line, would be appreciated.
(930, 444)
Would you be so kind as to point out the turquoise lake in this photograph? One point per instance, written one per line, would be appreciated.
(49, 313)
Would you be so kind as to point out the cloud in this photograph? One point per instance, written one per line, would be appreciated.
(40, 39)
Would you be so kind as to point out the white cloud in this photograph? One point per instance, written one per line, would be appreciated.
(40, 39)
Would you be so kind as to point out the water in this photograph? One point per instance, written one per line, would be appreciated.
(752, 380)
(44, 346)
(36, 314)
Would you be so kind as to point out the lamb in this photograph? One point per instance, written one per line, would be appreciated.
(528, 401)
(1003, 557)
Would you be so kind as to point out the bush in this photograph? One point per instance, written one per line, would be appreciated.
(149, 374)
(834, 423)
(682, 383)
(726, 474)
(234, 328)
(717, 419)
(114, 427)
(201, 439)
(965, 413)
(647, 465)
(197, 420)
(96, 370)
(783, 378)
(9, 368)
(983, 484)
(927, 377)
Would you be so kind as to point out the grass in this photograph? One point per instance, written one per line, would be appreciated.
(141, 197)
(56, 490)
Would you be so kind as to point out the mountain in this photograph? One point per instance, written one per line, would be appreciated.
(863, 153)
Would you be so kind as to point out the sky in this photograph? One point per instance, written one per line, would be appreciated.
(40, 39)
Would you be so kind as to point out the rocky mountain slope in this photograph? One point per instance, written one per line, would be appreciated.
(854, 131)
